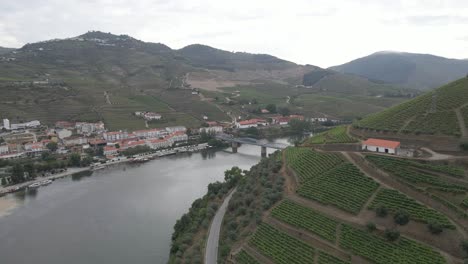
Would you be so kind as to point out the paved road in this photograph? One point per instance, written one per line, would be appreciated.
(211, 251)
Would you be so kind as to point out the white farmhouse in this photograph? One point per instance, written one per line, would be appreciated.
(381, 145)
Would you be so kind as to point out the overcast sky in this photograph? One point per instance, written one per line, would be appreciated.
(319, 32)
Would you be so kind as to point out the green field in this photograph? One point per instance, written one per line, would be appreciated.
(394, 201)
(406, 171)
(430, 113)
(309, 164)
(306, 218)
(325, 258)
(378, 250)
(345, 187)
(244, 258)
(335, 135)
(280, 247)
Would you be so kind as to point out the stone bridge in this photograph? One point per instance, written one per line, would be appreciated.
(235, 141)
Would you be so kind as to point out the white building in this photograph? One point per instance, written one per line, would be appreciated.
(380, 145)
(110, 151)
(150, 133)
(72, 141)
(89, 128)
(30, 124)
(114, 136)
(3, 149)
(176, 129)
(212, 129)
(251, 123)
(159, 143)
(6, 124)
(33, 147)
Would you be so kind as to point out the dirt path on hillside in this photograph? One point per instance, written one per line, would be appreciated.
(461, 122)
(435, 155)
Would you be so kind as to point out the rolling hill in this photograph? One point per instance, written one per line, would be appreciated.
(443, 111)
(419, 71)
(102, 76)
(4, 50)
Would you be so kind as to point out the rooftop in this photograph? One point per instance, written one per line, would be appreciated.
(381, 143)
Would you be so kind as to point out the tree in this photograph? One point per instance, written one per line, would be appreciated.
(381, 211)
(284, 111)
(253, 131)
(117, 145)
(299, 126)
(30, 169)
(271, 108)
(371, 227)
(17, 173)
(401, 217)
(4, 182)
(392, 235)
(74, 160)
(464, 246)
(52, 146)
(435, 228)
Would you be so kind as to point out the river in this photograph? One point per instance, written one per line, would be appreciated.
(122, 214)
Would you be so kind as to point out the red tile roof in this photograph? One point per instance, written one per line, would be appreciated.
(381, 143)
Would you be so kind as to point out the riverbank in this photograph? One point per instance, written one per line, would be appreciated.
(114, 161)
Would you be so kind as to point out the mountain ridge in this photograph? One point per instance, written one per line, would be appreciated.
(414, 70)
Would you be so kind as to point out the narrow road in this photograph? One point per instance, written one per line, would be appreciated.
(211, 250)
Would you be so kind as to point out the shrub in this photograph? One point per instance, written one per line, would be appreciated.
(464, 246)
(464, 146)
(381, 211)
(392, 235)
(401, 217)
(371, 227)
(435, 228)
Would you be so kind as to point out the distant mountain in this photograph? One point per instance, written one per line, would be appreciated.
(419, 71)
(102, 76)
(5, 50)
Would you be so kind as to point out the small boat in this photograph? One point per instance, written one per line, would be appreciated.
(46, 182)
(98, 167)
(34, 185)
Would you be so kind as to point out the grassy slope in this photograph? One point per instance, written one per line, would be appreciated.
(418, 115)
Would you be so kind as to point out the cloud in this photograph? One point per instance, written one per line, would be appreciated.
(319, 32)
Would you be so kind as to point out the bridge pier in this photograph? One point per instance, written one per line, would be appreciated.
(234, 146)
(264, 152)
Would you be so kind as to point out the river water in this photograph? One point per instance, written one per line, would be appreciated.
(122, 214)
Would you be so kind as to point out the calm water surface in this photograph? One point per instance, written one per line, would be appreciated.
(123, 214)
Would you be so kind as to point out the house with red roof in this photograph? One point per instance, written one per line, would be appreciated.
(381, 145)
(251, 123)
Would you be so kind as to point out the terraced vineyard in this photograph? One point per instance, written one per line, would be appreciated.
(430, 113)
(445, 122)
(324, 258)
(394, 201)
(281, 248)
(345, 187)
(309, 164)
(464, 112)
(306, 218)
(243, 258)
(378, 250)
(405, 170)
(465, 203)
(335, 135)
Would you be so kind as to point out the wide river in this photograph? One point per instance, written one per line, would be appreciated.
(122, 214)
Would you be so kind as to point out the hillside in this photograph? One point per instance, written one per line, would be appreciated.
(102, 76)
(442, 111)
(4, 50)
(345, 207)
(419, 71)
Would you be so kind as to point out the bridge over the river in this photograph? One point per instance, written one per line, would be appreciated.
(235, 141)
